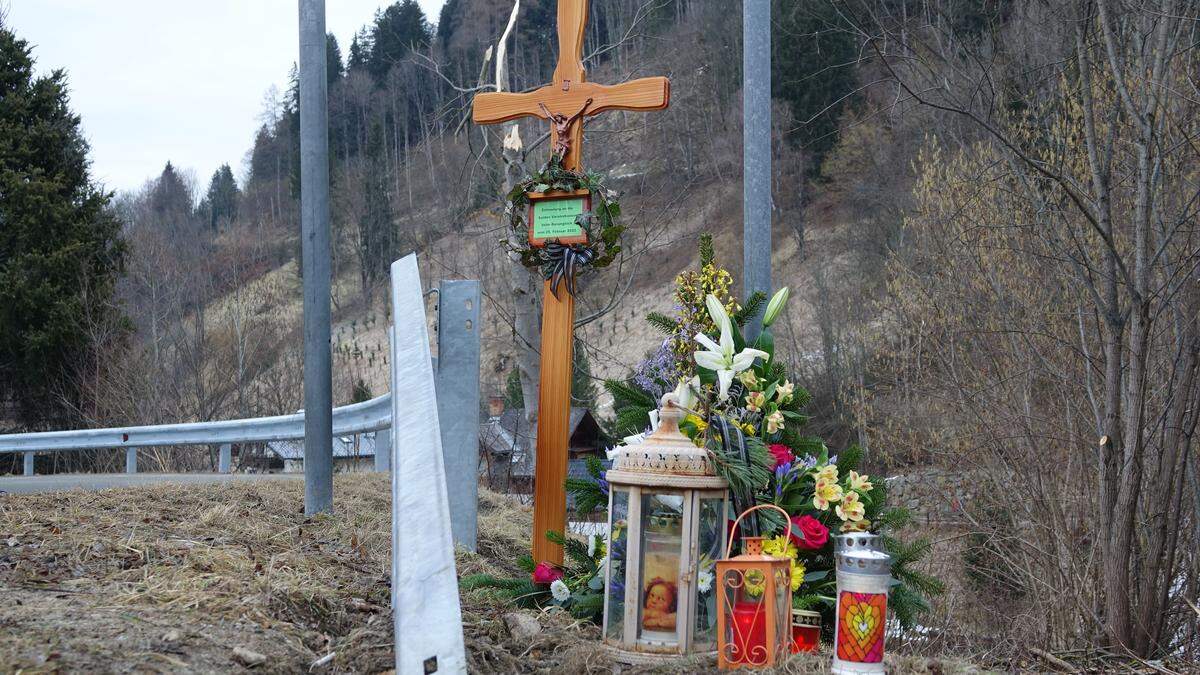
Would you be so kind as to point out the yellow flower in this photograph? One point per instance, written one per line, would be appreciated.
(826, 492)
(856, 526)
(755, 401)
(774, 422)
(748, 378)
(798, 571)
(780, 547)
(784, 391)
(827, 473)
(862, 483)
(850, 508)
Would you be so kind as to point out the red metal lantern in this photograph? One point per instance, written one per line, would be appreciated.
(754, 604)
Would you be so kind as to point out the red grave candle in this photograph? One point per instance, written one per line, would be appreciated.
(750, 632)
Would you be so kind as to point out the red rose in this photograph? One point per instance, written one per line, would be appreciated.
(783, 454)
(545, 573)
(813, 535)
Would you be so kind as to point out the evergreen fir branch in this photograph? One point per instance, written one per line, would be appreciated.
(625, 394)
(595, 467)
(708, 255)
(526, 563)
(754, 304)
(587, 493)
(906, 606)
(848, 459)
(662, 322)
(588, 607)
(631, 420)
(893, 518)
(740, 476)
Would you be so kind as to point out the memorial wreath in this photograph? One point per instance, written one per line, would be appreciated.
(557, 261)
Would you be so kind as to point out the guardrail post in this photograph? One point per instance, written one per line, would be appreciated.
(29, 463)
(224, 458)
(383, 450)
(457, 378)
(130, 460)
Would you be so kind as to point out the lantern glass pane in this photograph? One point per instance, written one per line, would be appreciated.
(618, 529)
(745, 640)
(783, 606)
(710, 531)
(662, 543)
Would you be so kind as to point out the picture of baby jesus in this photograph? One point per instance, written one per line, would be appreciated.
(659, 607)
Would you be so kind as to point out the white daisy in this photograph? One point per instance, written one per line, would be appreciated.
(559, 590)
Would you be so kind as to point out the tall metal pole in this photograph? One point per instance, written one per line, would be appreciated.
(314, 225)
(756, 150)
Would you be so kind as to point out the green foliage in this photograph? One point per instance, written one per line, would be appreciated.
(587, 491)
(375, 241)
(662, 322)
(911, 597)
(580, 574)
(514, 396)
(708, 254)
(221, 202)
(361, 392)
(752, 308)
(398, 30)
(60, 245)
(632, 406)
(812, 50)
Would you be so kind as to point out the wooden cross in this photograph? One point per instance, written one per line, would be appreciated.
(564, 102)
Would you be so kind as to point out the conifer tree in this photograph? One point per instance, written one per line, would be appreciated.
(221, 202)
(399, 29)
(375, 226)
(60, 245)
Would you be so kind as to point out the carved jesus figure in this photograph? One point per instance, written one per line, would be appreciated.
(562, 127)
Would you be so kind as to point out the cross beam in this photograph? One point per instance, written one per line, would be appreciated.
(571, 97)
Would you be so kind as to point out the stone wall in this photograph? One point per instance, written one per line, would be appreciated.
(934, 495)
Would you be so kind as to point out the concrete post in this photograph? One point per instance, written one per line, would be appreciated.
(225, 458)
(383, 450)
(457, 377)
(130, 460)
(29, 463)
(314, 217)
(756, 151)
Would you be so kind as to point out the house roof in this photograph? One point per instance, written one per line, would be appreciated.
(511, 434)
(343, 446)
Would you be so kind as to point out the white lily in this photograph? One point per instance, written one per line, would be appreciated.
(721, 357)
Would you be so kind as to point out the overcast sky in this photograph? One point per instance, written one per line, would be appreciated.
(179, 80)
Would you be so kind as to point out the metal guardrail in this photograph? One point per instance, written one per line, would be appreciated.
(351, 419)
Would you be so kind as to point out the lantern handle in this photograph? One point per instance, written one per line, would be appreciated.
(729, 544)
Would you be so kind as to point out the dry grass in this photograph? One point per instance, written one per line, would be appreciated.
(174, 578)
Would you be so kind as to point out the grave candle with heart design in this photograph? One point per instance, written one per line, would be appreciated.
(863, 580)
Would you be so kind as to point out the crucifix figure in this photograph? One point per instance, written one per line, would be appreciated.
(565, 102)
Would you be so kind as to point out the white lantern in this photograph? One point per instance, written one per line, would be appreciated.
(667, 525)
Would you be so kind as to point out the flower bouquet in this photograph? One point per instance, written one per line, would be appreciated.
(746, 409)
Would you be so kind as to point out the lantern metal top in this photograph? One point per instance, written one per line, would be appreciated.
(854, 541)
(667, 458)
(865, 562)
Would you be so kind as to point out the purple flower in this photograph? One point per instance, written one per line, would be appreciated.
(783, 477)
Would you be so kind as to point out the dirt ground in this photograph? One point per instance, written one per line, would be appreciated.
(233, 577)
